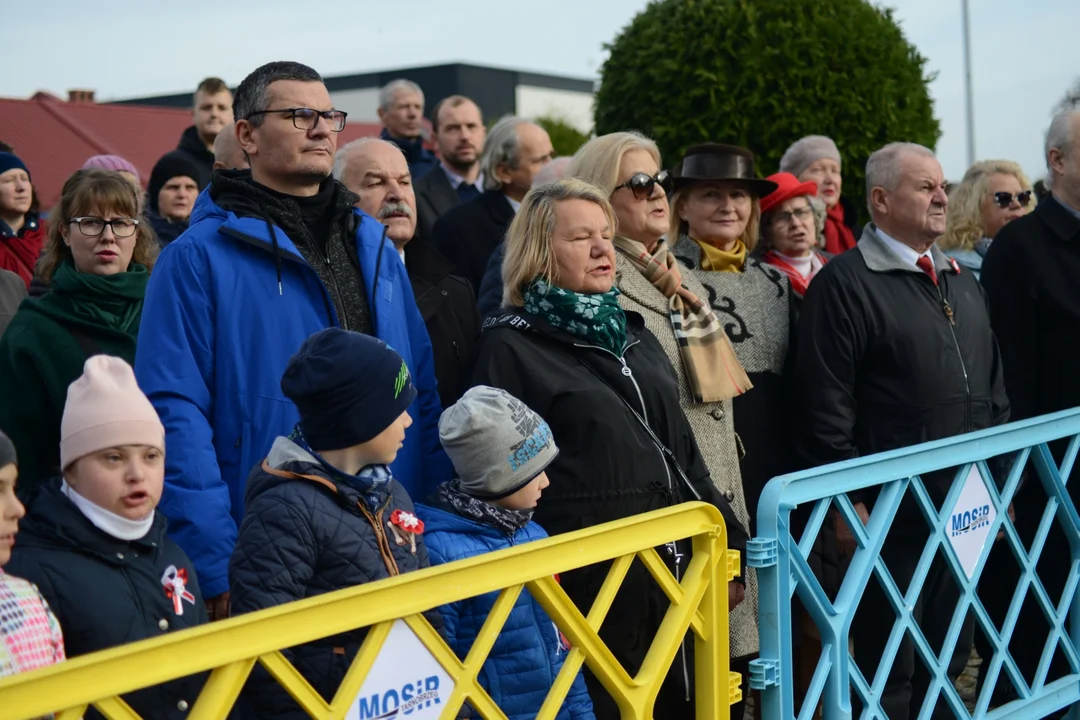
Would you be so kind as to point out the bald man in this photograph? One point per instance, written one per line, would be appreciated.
(228, 154)
(377, 171)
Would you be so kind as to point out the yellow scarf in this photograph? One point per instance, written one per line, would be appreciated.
(717, 260)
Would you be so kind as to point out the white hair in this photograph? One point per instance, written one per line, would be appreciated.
(389, 91)
(553, 171)
(341, 157)
(1060, 136)
(883, 167)
(502, 147)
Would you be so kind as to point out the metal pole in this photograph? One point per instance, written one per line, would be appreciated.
(968, 92)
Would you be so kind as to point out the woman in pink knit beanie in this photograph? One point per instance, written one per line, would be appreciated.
(93, 541)
(126, 169)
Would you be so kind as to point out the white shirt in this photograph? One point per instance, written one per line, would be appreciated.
(513, 203)
(905, 252)
(456, 180)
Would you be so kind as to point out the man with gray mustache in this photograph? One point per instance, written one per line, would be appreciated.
(377, 171)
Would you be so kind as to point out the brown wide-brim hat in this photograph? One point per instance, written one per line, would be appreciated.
(718, 162)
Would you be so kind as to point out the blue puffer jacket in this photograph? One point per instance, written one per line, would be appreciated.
(226, 308)
(529, 652)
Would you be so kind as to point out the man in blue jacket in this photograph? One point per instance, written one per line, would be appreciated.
(272, 255)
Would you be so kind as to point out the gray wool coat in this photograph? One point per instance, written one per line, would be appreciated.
(711, 423)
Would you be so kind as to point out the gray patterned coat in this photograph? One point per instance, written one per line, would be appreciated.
(711, 423)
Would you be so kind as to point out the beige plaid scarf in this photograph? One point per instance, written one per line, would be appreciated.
(712, 370)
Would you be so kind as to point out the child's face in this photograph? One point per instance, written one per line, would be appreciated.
(527, 497)
(383, 448)
(124, 480)
(11, 510)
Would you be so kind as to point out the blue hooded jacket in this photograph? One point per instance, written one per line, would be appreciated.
(225, 309)
(529, 652)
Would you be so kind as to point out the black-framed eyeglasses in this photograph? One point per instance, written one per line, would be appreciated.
(308, 118)
(641, 184)
(1004, 199)
(94, 226)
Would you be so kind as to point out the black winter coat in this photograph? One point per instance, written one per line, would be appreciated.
(107, 592)
(195, 149)
(448, 306)
(886, 360)
(304, 534)
(608, 468)
(468, 234)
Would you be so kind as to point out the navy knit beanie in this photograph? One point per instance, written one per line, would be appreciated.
(11, 161)
(172, 164)
(348, 387)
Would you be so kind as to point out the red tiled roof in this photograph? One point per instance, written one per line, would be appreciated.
(54, 138)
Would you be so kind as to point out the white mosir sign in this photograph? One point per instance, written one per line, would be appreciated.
(405, 681)
(968, 526)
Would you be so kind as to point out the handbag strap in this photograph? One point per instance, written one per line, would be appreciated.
(669, 456)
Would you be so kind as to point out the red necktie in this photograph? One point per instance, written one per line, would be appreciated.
(927, 266)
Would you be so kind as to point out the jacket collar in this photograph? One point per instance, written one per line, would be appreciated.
(516, 318)
(879, 258)
(412, 149)
(1064, 223)
(288, 461)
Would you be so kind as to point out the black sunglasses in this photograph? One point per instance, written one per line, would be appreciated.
(1004, 199)
(642, 184)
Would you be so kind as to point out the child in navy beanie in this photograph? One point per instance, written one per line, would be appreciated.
(323, 511)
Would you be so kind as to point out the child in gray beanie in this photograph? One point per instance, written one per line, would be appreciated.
(500, 449)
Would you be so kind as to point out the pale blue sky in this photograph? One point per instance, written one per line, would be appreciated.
(1025, 54)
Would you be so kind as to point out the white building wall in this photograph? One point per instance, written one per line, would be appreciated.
(575, 108)
(361, 104)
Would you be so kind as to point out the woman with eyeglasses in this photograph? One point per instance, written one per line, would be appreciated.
(816, 159)
(792, 230)
(992, 193)
(97, 259)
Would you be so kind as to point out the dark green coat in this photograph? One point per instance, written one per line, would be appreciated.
(44, 349)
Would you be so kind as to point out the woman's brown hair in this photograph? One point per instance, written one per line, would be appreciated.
(98, 191)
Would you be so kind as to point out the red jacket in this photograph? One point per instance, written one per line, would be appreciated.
(19, 252)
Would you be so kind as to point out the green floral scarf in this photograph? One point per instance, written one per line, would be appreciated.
(595, 318)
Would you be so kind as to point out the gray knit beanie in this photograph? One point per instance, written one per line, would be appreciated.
(806, 151)
(497, 444)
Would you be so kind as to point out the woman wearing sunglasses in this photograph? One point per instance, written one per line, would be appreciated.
(992, 194)
(653, 283)
(97, 260)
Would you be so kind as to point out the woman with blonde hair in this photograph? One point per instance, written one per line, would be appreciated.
(603, 383)
(992, 193)
(97, 260)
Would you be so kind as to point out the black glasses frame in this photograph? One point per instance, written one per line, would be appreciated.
(641, 184)
(334, 118)
(1004, 199)
(105, 223)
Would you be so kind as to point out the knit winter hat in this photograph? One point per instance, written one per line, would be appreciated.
(112, 162)
(11, 161)
(497, 444)
(7, 451)
(348, 387)
(172, 164)
(105, 408)
(806, 151)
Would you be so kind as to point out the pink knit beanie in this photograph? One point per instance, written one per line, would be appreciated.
(105, 408)
(111, 162)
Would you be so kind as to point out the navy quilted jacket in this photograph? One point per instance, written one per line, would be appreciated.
(305, 534)
(528, 653)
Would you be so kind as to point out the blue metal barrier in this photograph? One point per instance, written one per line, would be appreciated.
(783, 571)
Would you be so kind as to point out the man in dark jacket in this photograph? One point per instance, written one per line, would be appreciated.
(213, 113)
(272, 255)
(1030, 274)
(401, 109)
(377, 172)
(459, 132)
(894, 348)
(515, 151)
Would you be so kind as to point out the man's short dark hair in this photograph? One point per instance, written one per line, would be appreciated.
(211, 86)
(253, 94)
(452, 101)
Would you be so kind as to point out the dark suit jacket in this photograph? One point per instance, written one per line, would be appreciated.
(467, 235)
(435, 197)
(448, 306)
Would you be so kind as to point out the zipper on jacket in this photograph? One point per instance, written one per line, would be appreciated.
(673, 549)
(947, 309)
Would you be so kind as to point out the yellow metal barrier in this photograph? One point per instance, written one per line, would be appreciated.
(231, 648)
